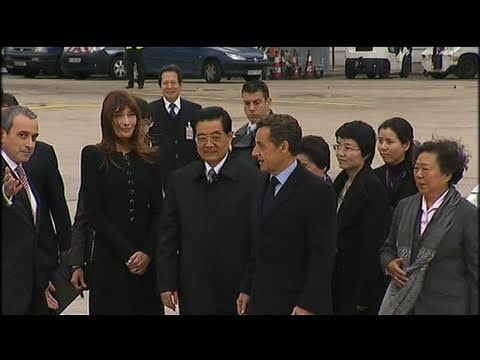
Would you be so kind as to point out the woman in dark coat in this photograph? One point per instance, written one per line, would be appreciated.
(396, 146)
(362, 211)
(123, 201)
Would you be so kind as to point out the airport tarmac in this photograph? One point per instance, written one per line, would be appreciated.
(69, 113)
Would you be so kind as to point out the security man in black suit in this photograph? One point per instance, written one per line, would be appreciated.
(172, 129)
(294, 229)
(24, 282)
(134, 55)
(256, 105)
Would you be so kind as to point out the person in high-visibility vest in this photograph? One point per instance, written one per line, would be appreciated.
(134, 55)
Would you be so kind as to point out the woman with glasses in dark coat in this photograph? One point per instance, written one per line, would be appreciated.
(362, 212)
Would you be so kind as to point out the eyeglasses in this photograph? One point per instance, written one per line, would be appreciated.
(216, 137)
(346, 148)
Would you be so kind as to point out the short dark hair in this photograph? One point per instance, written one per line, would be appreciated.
(363, 134)
(404, 131)
(283, 127)
(253, 86)
(170, 68)
(317, 149)
(212, 113)
(452, 157)
(8, 99)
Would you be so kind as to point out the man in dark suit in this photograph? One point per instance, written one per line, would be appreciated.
(256, 105)
(204, 241)
(53, 237)
(294, 229)
(172, 129)
(24, 283)
(42, 169)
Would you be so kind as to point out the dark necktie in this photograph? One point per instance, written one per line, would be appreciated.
(211, 176)
(269, 194)
(24, 181)
(172, 110)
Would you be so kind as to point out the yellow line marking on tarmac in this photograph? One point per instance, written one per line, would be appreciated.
(61, 106)
(321, 103)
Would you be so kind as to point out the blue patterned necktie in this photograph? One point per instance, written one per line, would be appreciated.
(211, 176)
(172, 107)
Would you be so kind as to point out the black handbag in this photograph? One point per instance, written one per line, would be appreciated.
(65, 293)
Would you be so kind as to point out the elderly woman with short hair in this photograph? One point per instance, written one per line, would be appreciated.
(431, 253)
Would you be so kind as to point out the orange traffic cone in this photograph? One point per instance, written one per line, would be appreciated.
(296, 68)
(277, 68)
(309, 70)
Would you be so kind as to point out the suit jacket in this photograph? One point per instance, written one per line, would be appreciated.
(407, 187)
(22, 278)
(294, 247)
(243, 144)
(169, 135)
(451, 282)
(362, 229)
(209, 224)
(43, 173)
(81, 248)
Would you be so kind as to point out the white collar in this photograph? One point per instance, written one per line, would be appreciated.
(167, 103)
(12, 164)
(435, 205)
(217, 167)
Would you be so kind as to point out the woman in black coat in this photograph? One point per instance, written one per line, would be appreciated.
(362, 212)
(123, 200)
(396, 146)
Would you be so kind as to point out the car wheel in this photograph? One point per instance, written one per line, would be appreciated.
(212, 72)
(30, 74)
(406, 66)
(252, 77)
(117, 68)
(467, 66)
(350, 72)
(438, 75)
(60, 71)
(385, 70)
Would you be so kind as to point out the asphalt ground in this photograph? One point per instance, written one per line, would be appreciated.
(69, 113)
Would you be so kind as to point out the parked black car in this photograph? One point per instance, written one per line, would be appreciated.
(32, 61)
(82, 62)
(210, 63)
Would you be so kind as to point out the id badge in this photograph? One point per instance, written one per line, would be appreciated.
(189, 132)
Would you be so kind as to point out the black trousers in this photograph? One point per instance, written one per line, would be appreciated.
(135, 56)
